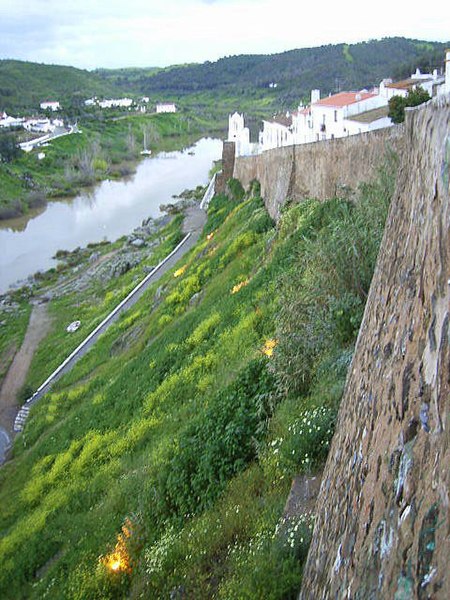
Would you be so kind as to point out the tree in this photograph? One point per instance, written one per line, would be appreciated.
(417, 96)
(397, 109)
(8, 148)
(397, 104)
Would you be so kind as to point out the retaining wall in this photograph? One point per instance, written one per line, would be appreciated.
(383, 512)
(319, 170)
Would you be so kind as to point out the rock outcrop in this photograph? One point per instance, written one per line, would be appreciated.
(383, 517)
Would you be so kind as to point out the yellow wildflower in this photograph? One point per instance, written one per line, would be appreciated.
(180, 271)
(269, 346)
(239, 286)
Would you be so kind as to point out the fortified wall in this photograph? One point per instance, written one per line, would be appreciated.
(383, 516)
(319, 170)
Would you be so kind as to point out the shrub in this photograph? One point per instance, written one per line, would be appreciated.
(305, 447)
(397, 104)
(324, 293)
(269, 565)
(235, 189)
(220, 444)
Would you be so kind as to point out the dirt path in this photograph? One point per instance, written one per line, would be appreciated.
(15, 378)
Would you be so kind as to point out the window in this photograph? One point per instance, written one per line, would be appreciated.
(335, 116)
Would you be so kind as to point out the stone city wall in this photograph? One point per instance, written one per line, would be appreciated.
(383, 517)
(319, 170)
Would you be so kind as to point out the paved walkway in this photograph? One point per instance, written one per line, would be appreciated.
(194, 222)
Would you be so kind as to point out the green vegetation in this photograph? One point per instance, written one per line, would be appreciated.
(329, 68)
(346, 50)
(204, 93)
(13, 326)
(160, 465)
(397, 104)
(24, 85)
(244, 78)
(107, 148)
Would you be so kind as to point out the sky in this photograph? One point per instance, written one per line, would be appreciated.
(148, 33)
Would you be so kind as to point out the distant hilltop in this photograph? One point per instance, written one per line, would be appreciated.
(283, 78)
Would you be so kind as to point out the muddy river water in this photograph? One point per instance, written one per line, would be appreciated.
(110, 210)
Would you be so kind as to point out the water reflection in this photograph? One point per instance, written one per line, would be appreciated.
(109, 211)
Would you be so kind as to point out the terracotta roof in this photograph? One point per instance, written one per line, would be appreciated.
(344, 99)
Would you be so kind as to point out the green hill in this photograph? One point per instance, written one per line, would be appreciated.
(245, 78)
(24, 85)
(329, 68)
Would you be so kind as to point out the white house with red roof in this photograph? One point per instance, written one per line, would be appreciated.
(346, 113)
(339, 115)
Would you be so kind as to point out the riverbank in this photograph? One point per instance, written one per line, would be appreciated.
(103, 149)
(108, 212)
(93, 266)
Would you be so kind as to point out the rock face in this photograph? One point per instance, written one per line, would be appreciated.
(321, 170)
(383, 518)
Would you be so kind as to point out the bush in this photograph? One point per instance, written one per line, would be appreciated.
(397, 104)
(305, 448)
(235, 190)
(220, 444)
(270, 565)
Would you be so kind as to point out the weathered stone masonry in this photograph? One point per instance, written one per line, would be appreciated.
(383, 519)
(319, 170)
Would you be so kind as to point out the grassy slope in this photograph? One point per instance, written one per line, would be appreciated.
(24, 85)
(171, 443)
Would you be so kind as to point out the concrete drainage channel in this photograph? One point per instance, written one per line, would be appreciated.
(126, 303)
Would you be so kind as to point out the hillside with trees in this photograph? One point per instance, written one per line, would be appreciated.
(24, 85)
(330, 68)
(270, 81)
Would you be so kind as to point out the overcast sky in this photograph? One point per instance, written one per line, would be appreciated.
(121, 33)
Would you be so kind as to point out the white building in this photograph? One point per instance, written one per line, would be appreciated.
(446, 87)
(53, 106)
(116, 103)
(371, 120)
(277, 132)
(430, 82)
(240, 135)
(166, 107)
(7, 121)
(39, 125)
(334, 116)
(341, 115)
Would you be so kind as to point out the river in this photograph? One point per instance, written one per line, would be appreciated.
(108, 211)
